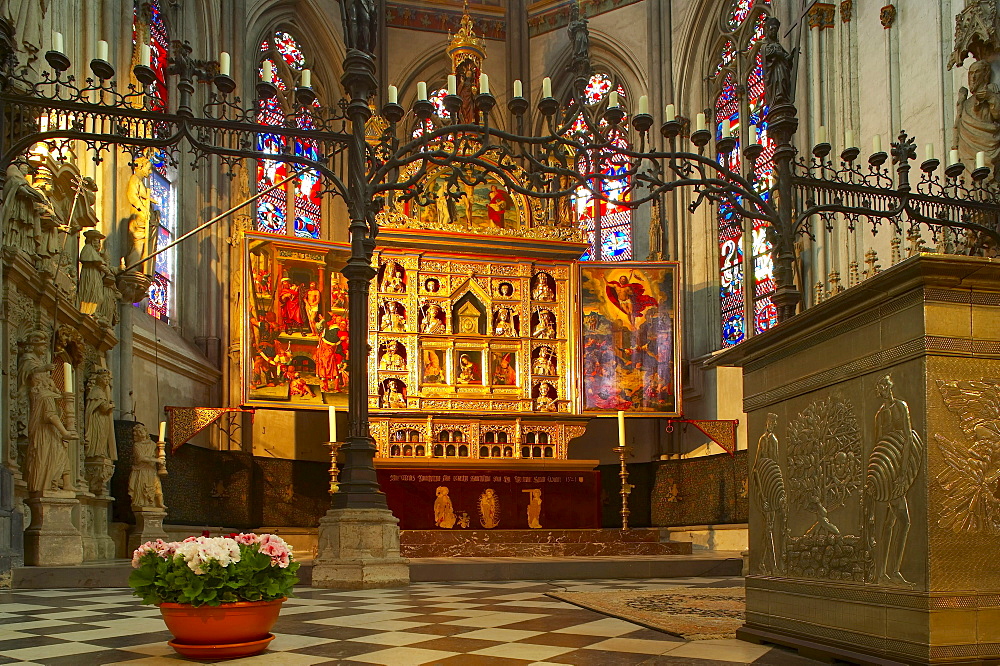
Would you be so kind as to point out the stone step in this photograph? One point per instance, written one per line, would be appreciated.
(500, 549)
(115, 573)
(646, 535)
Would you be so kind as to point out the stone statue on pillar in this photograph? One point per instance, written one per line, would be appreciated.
(977, 118)
(93, 269)
(579, 36)
(360, 18)
(779, 86)
(22, 206)
(144, 488)
(49, 227)
(99, 431)
(28, 18)
(140, 200)
(47, 463)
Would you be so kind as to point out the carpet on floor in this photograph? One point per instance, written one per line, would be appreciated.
(693, 613)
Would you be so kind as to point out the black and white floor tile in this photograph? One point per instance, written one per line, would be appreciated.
(486, 623)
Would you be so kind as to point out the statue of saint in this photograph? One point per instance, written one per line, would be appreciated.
(504, 323)
(394, 397)
(977, 118)
(47, 461)
(534, 508)
(431, 322)
(778, 84)
(99, 422)
(545, 362)
(545, 402)
(580, 37)
(543, 288)
(35, 358)
(444, 512)
(93, 268)
(107, 311)
(140, 199)
(391, 358)
(144, 488)
(546, 327)
(22, 205)
(28, 18)
(49, 228)
(360, 19)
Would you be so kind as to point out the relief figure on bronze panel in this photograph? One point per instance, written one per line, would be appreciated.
(534, 507)
(769, 493)
(892, 468)
(444, 512)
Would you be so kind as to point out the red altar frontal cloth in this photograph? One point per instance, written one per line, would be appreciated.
(427, 499)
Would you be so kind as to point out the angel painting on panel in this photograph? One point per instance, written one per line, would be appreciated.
(629, 297)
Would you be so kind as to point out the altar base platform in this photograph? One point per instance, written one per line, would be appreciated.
(537, 543)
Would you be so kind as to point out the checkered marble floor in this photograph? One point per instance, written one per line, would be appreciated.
(509, 622)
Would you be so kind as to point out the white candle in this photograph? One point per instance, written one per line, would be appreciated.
(145, 55)
(671, 113)
(163, 431)
(980, 160)
(643, 105)
(877, 143)
(268, 71)
(821, 134)
(727, 128)
(699, 122)
(57, 41)
(452, 84)
(67, 378)
(849, 139)
(953, 157)
(102, 50)
(393, 95)
(613, 99)
(307, 78)
(225, 63)
(929, 151)
(546, 87)
(484, 84)
(333, 423)
(518, 91)
(621, 428)
(421, 90)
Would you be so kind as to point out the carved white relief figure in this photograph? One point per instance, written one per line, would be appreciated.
(107, 311)
(99, 424)
(22, 205)
(140, 200)
(49, 230)
(28, 18)
(93, 268)
(977, 118)
(892, 467)
(47, 460)
(35, 358)
(144, 487)
(769, 493)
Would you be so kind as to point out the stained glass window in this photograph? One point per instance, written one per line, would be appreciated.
(296, 208)
(614, 215)
(148, 28)
(740, 101)
(437, 99)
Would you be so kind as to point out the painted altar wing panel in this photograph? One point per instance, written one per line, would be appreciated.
(629, 347)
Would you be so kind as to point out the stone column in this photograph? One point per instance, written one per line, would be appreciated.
(875, 441)
(148, 527)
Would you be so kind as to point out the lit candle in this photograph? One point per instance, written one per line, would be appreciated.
(877, 143)
(821, 134)
(484, 84)
(953, 157)
(929, 151)
(145, 55)
(699, 122)
(225, 63)
(621, 428)
(980, 160)
(644, 105)
(307, 78)
(67, 378)
(163, 431)
(518, 91)
(613, 99)
(546, 87)
(671, 113)
(849, 139)
(393, 95)
(57, 41)
(102, 50)
(452, 85)
(421, 90)
(268, 71)
(333, 423)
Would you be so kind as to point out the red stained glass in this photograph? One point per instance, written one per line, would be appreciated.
(289, 50)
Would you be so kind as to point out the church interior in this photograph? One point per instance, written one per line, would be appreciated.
(540, 331)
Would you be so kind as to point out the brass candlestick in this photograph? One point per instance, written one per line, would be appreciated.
(626, 490)
(334, 471)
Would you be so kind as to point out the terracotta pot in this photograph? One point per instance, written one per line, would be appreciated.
(242, 623)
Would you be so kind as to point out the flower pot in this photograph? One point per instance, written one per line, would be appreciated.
(221, 632)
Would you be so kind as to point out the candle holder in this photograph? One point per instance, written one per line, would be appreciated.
(821, 150)
(979, 174)
(752, 152)
(144, 74)
(614, 115)
(305, 95)
(930, 166)
(393, 112)
(641, 122)
(102, 69)
(334, 470)
(726, 144)
(850, 154)
(485, 102)
(626, 490)
(423, 109)
(266, 90)
(954, 170)
(452, 103)
(671, 129)
(224, 83)
(878, 159)
(518, 106)
(57, 60)
(701, 138)
(548, 106)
